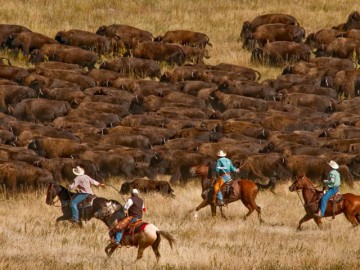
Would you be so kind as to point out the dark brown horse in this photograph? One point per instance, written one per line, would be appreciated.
(100, 208)
(349, 205)
(241, 189)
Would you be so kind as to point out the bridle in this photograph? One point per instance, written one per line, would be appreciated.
(307, 184)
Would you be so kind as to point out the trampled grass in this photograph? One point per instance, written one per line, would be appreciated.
(30, 240)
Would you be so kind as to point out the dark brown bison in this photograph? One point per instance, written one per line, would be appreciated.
(342, 48)
(56, 147)
(249, 27)
(133, 66)
(353, 21)
(129, 36)
(64, 53)
(185, 37)
(85, 40)
(347, 82)
(17, 175)
(322, 38)
(13, 94)
(274, 32)
(16, 74)
(146, 185)
(281, 52)
(162, 52)
(28, 41)
(43, 110)
(6, 30)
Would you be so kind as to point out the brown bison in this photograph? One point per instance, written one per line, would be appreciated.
(322, 37)
(64, 53)
(39, 109)
(185, 37)
(249, 27)
(136, 66)
(341, 48)
(6, 30)
(280, 52)
(146, 185)
(85, 40)
(128, 36)
(162, 52)
(28, 41)
(274, 32)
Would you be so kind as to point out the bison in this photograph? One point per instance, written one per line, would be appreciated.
(146, 185)
(185, 37)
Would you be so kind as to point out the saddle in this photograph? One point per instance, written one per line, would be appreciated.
(336, 198)
(88, 202)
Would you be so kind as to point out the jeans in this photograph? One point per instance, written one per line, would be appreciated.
(326, 197)
(219, 183)
(74, 202)
(118, 234)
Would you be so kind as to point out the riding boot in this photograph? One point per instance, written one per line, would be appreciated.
(220, 202)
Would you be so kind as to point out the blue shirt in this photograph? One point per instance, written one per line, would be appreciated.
(224, 165)
(333, 179)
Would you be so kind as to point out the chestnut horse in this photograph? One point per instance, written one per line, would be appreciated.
(101, 208)
(149, 235)
(242, 189)
(349, 205)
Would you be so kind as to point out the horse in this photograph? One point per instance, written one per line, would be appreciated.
(349, 205)
(100, 208)
(241, 189)
(144, 235)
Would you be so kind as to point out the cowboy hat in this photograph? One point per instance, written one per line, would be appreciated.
(78, 170)
(333, 165)
(135, 191)
(221, 153)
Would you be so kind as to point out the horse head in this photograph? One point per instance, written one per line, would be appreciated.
(300, 183)
(51, 193)
(199, 170)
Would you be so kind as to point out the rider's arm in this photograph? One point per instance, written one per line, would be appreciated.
(144, 208)
(74, 184)
(128, 204)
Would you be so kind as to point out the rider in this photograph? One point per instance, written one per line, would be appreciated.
(82, 182)
(332, 182)
(134, 207)
(223, 168)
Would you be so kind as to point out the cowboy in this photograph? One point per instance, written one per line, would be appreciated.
(82, 182)
(332, 183)
(223, 168)
(134, 207)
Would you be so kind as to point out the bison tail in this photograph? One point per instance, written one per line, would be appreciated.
(271, 185)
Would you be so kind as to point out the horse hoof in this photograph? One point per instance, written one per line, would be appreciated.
(196, 215)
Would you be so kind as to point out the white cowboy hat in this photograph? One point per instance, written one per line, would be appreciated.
(78, 170)
(221, 153)
(135, 191)
(333, 165)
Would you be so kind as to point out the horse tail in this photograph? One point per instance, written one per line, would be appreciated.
(271, 185)
(167, 236)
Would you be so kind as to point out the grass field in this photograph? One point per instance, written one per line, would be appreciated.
(28, 237)
(30, 240)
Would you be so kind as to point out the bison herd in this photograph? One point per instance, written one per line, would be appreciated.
(126, 116)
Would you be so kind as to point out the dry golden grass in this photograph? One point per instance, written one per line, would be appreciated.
(220, 20)
(30, 240)
(28, 237)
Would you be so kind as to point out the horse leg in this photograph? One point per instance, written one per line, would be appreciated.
(140, 251)
(258, 210)
(304, 219)
(155, 247)
(201, 205)
(352, 219)
(61, 218)
(110, 248)
(222, 213)
(251, 209)
(213, 210)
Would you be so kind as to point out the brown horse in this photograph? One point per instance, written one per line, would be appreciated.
(241, 189)
(349, 205)
(148, 235)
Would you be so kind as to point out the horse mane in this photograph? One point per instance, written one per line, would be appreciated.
(308, 181)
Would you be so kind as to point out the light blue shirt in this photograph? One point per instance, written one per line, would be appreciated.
(224, 165)
(333, 179)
